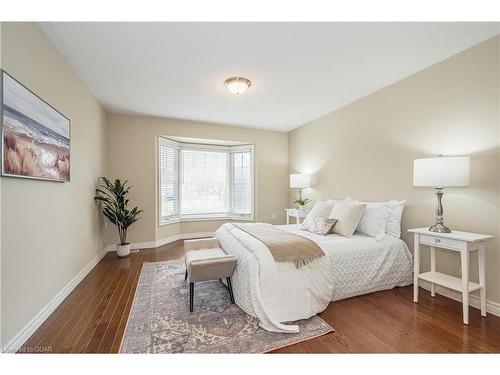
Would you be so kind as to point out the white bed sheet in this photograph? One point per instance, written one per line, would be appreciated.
(277, 293)
(274, 292)
(361, 265)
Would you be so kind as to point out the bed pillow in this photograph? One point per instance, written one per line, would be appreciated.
(319, 225)
(320, 209)
(374, 220)
(393, 225)
(348, 215)
(393, 222)
(334, 201)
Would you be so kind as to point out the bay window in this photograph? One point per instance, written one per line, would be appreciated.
(198, 181)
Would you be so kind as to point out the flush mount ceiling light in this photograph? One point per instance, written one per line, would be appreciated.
(237, 85)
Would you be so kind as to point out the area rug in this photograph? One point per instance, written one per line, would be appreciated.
(160, 321)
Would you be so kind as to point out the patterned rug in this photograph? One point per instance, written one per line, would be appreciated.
(160, 321)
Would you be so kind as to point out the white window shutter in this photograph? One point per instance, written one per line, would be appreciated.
(242, 183)
(169, 182)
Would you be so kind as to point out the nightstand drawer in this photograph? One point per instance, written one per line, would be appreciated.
(447, 243)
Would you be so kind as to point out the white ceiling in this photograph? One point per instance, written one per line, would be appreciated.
(299, 71)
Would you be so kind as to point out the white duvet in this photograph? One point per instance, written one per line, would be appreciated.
(277, 293)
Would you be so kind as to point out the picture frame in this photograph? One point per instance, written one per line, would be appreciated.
(36, 137)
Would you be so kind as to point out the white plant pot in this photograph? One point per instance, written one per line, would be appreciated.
(302, 208)
(123, 250)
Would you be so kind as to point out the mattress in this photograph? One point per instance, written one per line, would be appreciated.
(277, 292)
(360, 265)
(274, 292)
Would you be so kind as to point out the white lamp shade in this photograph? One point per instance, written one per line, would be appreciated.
(442, 172)
(300, 181)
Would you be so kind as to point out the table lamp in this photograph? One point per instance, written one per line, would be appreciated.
(300, 181)
(439, 173)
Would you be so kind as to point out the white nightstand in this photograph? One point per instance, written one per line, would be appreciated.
(462, 242)
(293, 212)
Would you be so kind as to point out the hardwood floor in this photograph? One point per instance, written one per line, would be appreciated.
(92, 319)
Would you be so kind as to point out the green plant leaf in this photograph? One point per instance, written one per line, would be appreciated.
(114, 205)
(302, 202)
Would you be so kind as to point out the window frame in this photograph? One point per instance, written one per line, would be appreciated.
(229, 149)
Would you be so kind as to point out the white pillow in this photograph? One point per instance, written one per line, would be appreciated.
(393, 225)
(393, 221)
(374, 220)
(333, 201)
(348, 215)
(320, 209)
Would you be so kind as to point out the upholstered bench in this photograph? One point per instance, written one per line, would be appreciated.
(205, 261)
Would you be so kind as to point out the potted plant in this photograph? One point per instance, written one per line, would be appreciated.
(302, 203)
(113, 197)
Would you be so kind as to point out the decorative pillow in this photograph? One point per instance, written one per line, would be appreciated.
(393, 225)
(348, 215)
(320, 209)
(374, 219)
(319, 225)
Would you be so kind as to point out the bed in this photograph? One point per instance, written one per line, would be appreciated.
(279, 293)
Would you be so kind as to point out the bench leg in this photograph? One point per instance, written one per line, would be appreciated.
(186, 275)
(230, 287)
(191, 296)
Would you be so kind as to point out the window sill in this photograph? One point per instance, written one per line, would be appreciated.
(204, 218)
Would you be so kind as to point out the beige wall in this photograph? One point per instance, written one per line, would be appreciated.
(50, 230)
(366, 149)
(131, 154)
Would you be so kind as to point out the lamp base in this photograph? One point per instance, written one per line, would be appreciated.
(440, 228)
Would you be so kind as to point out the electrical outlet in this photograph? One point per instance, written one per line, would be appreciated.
(273, 216)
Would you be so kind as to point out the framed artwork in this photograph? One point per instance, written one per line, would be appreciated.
(35, 136)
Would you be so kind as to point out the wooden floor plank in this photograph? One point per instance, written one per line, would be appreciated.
(55, 322)
(115, 347)
(95, 314)
(112, 328)
(93, 317)
(65, 339)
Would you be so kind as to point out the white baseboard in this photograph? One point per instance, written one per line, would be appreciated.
(474, 301)
(164, 241)
(25, 333)
(184, 236)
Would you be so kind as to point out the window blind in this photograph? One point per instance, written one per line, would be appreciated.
(169, 181)
(242, 183)
(205, 184)
(197, 181)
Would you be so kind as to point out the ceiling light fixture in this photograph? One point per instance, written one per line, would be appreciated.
(237, 85)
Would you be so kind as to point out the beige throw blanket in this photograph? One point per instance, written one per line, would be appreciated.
(284, 246)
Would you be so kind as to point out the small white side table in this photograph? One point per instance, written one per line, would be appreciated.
(297, 214)
(463, 243)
